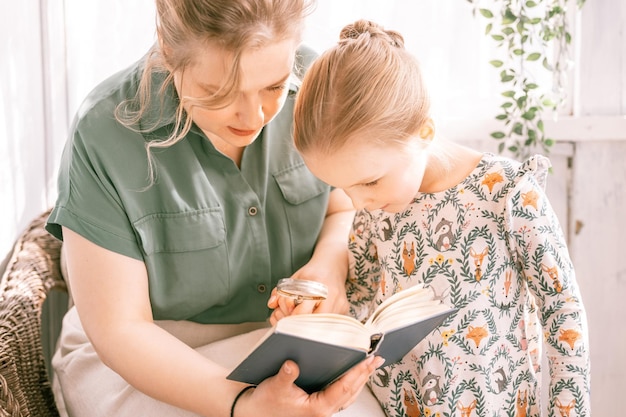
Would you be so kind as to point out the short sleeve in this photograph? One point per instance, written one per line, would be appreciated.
(538, 167)
(88, 201)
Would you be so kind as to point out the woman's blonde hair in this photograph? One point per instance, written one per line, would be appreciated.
(367, 84)
(185, 26)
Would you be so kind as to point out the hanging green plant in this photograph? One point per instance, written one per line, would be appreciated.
(533, 36)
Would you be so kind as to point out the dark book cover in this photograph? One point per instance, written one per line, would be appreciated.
(321, 363)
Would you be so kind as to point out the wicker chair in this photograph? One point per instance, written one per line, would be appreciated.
(32, 271)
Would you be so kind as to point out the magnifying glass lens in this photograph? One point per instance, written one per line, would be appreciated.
(300, 289)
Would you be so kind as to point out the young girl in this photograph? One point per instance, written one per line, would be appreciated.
(476, 228)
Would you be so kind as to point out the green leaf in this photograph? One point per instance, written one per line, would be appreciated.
(507, 105)
(509, 93)
(531, 86)
(531, 4)
(496, 63)
(518, 128)
(535, 20)
(488, 28)
(532, 135)
(546, 64)
(501, 147)
(502, 116)
(518, 51)
(534, 56)
(506, 78)
(486, 13)
(529, 115)
(498, 135)
(513, 149)
(548, 142)
(508, 17)
(508, 31)
(497, 37)
(540, 125)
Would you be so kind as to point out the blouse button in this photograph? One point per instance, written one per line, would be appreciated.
(252, 211)
(261, 288)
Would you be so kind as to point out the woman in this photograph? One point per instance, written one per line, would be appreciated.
(180, 206)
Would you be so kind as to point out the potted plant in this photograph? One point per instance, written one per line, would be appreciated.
(532, 36)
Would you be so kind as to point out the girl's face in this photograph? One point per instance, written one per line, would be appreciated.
(375, 176)
(260, 96)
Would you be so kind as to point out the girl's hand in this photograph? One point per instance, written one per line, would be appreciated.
(279, 396)
(335, 302)
(328, 265)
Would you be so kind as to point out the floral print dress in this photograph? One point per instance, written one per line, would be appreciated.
(491, 247)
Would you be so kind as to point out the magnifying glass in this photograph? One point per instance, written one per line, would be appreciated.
(300, 290)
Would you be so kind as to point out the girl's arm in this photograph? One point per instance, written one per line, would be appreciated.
(111, 294)
(329, 263)
(542, 250)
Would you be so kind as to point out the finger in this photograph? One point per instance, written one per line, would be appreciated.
(273, 301)
(288, 373)
(305, 307)
(286, 305)
(276, 316)
(346, 389)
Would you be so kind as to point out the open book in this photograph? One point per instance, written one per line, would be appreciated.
(326, 345)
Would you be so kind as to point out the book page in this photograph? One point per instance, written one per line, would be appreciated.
(329, 328)
(405, 307)
(413, 295)
(395, 318)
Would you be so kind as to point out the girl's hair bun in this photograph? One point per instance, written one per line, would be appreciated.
(372, 30)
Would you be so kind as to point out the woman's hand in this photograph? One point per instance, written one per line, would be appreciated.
(279, 396)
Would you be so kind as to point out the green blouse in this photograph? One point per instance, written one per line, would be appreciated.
(215, 238)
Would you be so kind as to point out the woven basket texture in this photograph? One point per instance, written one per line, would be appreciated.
(32, 271)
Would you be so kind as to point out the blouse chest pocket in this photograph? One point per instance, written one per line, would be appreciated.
(298, 185)
(187, 262)
(181, 232)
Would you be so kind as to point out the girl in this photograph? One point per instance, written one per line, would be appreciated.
(477, 228)
(181, 203)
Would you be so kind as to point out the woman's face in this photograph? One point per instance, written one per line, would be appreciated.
(374, 176)
(261, 94)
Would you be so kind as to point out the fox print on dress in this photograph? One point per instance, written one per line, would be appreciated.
(475, 246)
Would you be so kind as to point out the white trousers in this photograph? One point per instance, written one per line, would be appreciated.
(85, 387)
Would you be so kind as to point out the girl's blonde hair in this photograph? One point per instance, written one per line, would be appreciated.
(368, 84)
(185, 26)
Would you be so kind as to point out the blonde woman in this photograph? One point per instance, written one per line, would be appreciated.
(475, 227)
(181, 203)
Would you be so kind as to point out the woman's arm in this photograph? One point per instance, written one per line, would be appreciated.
(111, 294)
